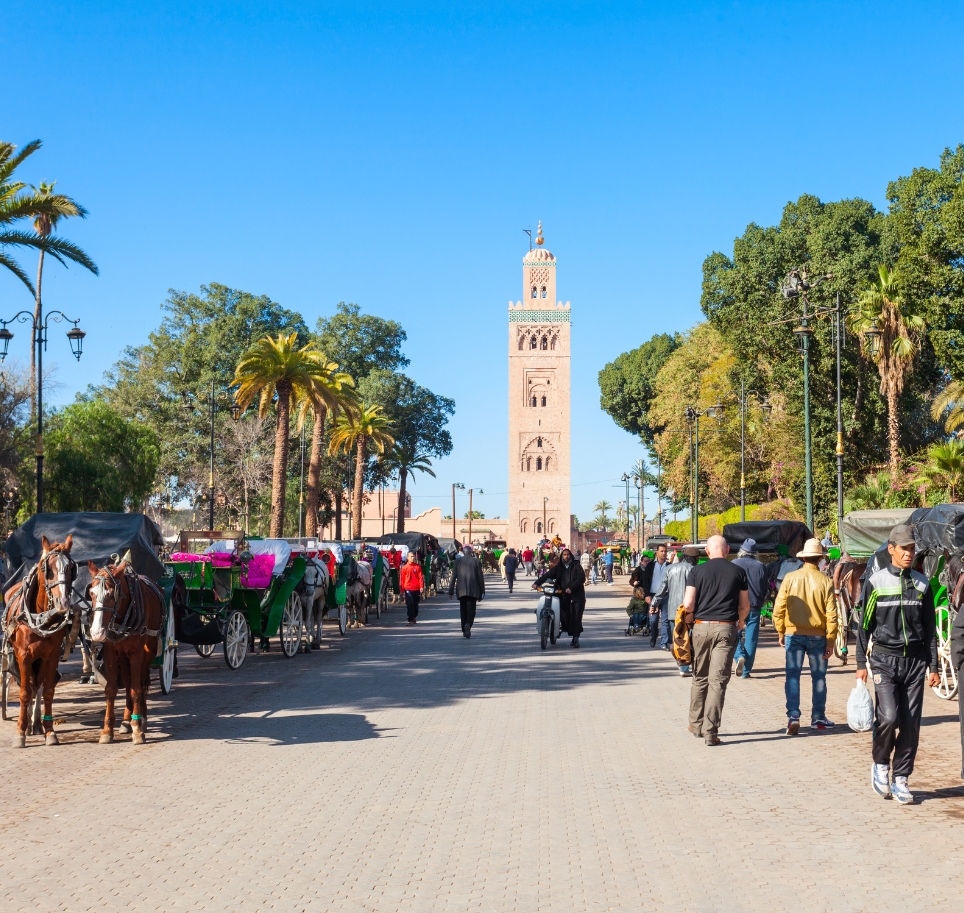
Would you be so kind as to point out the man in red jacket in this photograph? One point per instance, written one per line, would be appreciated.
(412, 582)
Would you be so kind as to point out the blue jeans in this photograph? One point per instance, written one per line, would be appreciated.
(748, 640)
(796, 646)
(667, 625)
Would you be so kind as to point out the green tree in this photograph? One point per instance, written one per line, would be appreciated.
(601, 507)
(950, 401)
(98, 460)
(942, 475)
(361, 343)
(277, 370)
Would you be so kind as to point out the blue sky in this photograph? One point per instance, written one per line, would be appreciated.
(392, 154)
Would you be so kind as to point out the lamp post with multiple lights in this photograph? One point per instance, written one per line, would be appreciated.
(693, 416)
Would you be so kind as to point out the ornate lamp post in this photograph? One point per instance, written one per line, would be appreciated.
(39, 330)
(743, 399)
(455, 485)
(693, 416)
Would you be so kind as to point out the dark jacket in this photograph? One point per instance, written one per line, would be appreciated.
(758, 579)
(899, 612)
(571, 578)
(511, 564)
(646, 578)
(467, 578)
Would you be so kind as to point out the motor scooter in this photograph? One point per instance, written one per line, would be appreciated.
(548, 615)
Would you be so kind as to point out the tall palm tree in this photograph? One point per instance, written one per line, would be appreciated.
(601, 507)
(16, 205)
(406, 458)
(333, 393)
(274, 368)
(360, 429)
(943, 473)
(881, 306)
(951, 401)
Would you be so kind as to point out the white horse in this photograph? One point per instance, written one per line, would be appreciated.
(315, 584)
(360, 593)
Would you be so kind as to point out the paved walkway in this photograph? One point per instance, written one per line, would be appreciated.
(403, 769)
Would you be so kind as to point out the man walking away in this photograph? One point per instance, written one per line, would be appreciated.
(412, 582)
(651, 580)
(717, 604)
(527, 558)
(672, 592)
(511, 566)
(805, 618)
(899, 614)
(609, 560)
(502, 560)
(758, 581)
(571, 588)
(585, 562)
(468, 579)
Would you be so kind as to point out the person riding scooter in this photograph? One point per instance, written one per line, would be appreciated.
(570, 580)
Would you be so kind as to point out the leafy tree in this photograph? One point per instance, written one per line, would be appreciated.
(361, 343)
(951, 401)
(628, 384)
(942, 475)
(364, 429)
(98, 460)
(476, 515)
(276, 369)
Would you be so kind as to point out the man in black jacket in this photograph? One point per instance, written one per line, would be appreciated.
(570, 581)
(899, 613)
(469, 580)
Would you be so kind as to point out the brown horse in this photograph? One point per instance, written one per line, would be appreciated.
(127, 611)
(36, 620)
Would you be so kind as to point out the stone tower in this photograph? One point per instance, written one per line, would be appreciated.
(538, 404)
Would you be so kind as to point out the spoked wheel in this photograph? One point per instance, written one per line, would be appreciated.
(236, 639)
(342, 619)
(166, 677)
(205, 650)
(544, 624)
(290, 632)
(947, 689)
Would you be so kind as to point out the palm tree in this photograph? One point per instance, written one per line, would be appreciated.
(872, 494)
(943, 473)
(277, 368)
(951, 401)
(333, 393)
(406, 458)
(601, 509)
(882, 307)
(360, 429)
(16, 205)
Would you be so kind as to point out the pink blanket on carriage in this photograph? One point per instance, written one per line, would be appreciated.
(259, 567)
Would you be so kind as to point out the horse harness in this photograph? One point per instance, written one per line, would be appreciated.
(134, 621)
(44, 624)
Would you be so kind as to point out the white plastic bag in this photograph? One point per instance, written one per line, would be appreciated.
(860, 709)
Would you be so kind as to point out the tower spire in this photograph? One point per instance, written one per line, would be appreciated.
(539, 238)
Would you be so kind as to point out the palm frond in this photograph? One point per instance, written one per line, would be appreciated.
(14, 267)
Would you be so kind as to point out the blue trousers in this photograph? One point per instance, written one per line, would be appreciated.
(749, 637)
(798, 646)
(666, 628)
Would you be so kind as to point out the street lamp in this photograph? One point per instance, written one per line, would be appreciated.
(461, 487)
(743, 400)
(39, 329)
(545, 502)
(693, 416)
(235, 410)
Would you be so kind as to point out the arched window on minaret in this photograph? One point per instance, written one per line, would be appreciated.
(552, 344)
(543, 291)
(522, 340)
(525, 526)
(533, 343)
(528, 464)
(538, 442)
(538, 526)
(552, 526)
(545, 343)
(543, 400)
(538, 463)
(534, 292)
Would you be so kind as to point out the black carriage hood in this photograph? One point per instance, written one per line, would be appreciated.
(940, 528)
(413, 540)
(768, 534)
(97, 536)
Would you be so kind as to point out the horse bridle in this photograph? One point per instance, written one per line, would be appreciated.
(39, 622)
(134, 622)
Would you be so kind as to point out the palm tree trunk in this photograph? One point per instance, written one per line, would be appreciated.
(33, 348)
(403, 478)
(358, 495)
(279, 477)
(313, 497)
(893, 431)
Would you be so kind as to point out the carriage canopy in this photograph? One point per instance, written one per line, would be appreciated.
(864, 531)
(768, 534)
(939, 528)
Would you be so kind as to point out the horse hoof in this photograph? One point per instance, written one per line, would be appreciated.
(19, 742)
(51, 739)
(125, 727)
(137, 737)
(106, 738)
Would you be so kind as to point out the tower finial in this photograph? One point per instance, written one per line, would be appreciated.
(539, 238)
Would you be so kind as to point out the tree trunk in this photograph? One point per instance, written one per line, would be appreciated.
(338, 513)
(402, 479)
(893, 431)
(33, 348)
(279, 478)
(313, 497)
(358, 495)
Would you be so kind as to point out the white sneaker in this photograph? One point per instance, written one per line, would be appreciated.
(900, 791)
(880, 779)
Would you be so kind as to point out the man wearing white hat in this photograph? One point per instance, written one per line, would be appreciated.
(805, 618)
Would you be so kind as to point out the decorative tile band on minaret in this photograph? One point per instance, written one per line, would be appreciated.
(539, 391)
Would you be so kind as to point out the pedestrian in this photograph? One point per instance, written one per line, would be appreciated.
(609, 559)
(651, 580)
(511, 566)
(758, 581)
(717, 604)
(412, 582)
(570, 581)
(805, 618)
(672, 592)
(585, 562)
(502, 560)
(783, 565)
(957, 660)
(468, 579)
(594, 573)
(528, 556)
(899, 614)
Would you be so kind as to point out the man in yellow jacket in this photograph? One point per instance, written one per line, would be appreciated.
(805, 616)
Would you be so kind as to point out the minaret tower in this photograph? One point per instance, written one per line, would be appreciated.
(538, 405)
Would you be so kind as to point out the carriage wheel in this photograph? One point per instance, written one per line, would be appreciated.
(290, 631)
(236, 639)
(205, 650)
(342, 619)
(169, 646)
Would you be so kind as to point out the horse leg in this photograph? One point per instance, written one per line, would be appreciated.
(110, 693)
(135, 691)
(36, 724)
(23, 717)
(49, 684)
(125, 669)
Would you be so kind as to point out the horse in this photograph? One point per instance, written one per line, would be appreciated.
(313, 593)
(35, 626)
(359, 594)
(128, 610)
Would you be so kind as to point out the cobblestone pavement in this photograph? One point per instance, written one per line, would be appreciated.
(410, 769)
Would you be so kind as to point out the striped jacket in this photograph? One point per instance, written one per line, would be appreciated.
(899, 613)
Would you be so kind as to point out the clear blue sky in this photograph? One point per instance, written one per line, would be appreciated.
(391, 154)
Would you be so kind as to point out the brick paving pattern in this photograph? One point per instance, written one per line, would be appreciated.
(409, 769)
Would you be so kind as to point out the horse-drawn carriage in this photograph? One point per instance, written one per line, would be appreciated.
(430, 556)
